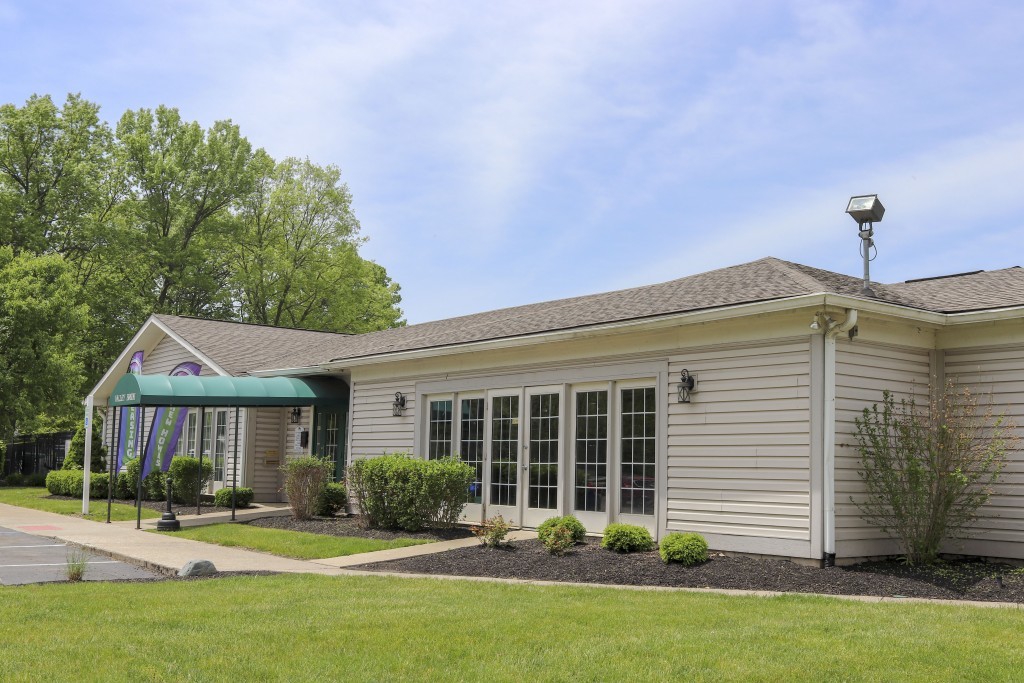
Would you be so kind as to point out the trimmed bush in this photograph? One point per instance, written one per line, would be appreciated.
(576, 529)
(154, 486)
(333, 499)
(69, 483)
(184, 473)
(687, 549)
(398, 491)
(222, 499)
(559, 539)
(627, 538)
(304, 482)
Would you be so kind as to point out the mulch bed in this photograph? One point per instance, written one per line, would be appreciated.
(355, 526)
(589, 563)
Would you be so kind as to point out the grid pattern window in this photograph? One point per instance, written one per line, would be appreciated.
(543, 451)
(190, 434)
(638, 451)
(471, 443)
(591, 451)
(220, 446)
(439, 428)
(504, 450)
(207, 431)
(331, 439)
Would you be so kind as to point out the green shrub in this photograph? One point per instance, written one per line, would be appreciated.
(688, 549)
(627, 538)
(34, 479)
(576, 529)
(184, 473)
(333, 499)
(492, 531)
(14, 479)
(123, 487)
(154, 486)
(243, 497)
(70, 482)
(304, 482)
(398, 491)
(559, 539)
(75, 456)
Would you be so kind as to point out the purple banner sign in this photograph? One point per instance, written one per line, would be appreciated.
(128, 439)
(168, 423)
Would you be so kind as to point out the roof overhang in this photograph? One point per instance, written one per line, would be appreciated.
(164, 390)
(818, 300)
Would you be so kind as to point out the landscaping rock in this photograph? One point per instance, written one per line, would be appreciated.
(198, 568)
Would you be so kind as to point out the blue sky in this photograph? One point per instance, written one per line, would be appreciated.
(506, 153)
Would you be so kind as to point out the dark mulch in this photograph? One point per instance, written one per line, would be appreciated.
(354, 526)
(589, 563)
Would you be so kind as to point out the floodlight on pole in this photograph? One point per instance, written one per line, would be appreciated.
(867, 210)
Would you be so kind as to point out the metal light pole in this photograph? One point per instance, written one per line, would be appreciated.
(867, 210)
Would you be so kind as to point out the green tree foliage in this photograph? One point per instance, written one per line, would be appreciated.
(76, 454)
(297, 262)
(105, 227)
(928, 469)
(40, 322)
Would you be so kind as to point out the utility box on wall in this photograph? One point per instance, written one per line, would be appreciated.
(301, 442)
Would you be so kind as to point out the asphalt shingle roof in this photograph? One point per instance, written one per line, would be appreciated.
(241, 348)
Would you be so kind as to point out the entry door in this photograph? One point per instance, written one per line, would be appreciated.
(543, 454)
(591, 435)
(504, 486)
(329, 439)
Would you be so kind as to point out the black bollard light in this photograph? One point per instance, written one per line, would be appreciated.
(168, 522)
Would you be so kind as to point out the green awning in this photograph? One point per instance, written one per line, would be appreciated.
(164, 390)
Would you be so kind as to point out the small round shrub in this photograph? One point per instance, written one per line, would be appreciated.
(333, 499)
(559, 540)
(687, 549)
(627, 538)
(575, 527)
(243, 497)
(185, 474)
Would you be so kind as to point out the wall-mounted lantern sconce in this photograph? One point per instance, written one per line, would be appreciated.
(686, 384)
(399, 405)
(295, 416)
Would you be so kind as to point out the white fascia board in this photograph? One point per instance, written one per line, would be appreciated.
(124, 355)
(289, 372)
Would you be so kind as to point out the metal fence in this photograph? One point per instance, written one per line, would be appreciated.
(31, 453)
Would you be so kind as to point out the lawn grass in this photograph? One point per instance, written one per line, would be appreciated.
(36, 499)
(298, 544)
(354, 628)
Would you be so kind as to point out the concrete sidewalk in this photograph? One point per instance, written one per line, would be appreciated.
(413, 550)
(159, 552)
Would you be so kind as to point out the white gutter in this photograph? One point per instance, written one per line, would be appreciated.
(832, 330)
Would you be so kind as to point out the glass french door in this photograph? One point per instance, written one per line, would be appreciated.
(329, 439)
(472, 417)
(590, 487)
(543, 455)
(503, 485)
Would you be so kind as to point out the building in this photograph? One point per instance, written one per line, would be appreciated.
(581, 405)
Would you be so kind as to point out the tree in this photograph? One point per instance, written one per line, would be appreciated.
(297, 261)
(76, 453)
(183, 179)
(40, 324)
(929, 469)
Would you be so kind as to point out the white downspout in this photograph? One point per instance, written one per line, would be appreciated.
(87, 458)
(832, 330)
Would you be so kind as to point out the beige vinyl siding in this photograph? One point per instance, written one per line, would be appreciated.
(375, 431)
(292, 451)
(738, 465)
(266, 447)
(996, 375)
(863, 371)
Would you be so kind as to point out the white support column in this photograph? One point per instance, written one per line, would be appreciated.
(87, 458)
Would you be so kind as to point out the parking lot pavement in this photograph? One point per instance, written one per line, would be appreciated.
(25, 558)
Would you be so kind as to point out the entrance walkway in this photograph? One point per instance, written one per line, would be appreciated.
(158, 552)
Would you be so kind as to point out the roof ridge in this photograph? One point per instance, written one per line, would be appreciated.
(798, 275)
(164, 316)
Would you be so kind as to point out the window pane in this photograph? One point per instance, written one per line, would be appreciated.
(220, 445)
(638, 449)
(439, 439)
(591, 488)
(471, 443)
